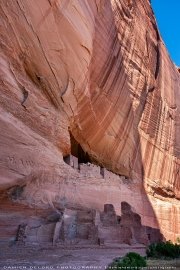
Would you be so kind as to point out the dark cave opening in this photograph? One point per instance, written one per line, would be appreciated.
(77, 151)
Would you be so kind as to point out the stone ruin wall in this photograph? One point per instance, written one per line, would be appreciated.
(85, 227)
(111, 83)
(87, 191)
(92, 170)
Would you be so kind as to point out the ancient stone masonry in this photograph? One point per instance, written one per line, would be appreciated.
(21, 234)
(87, 227)
(125, 229)
(72, 161)
(90, 81)
(153, 235)
(89, 169)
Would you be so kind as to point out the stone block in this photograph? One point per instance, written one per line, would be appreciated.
(111, 233)
(32, 235)
(57, 230)
(83, 231)
(97, 219)
(21, 233)
(131, 219)
(75, 163)
(89, 169)
(154, 235)
(93, 234)
(69, 160)
(108, 217)
(109, 208)
(125, 208)
(127, 220)
(85, 216)
(45, 233)
(72, 161)
(70, 224)
(141, 236)
(136, 220)
(108, 175)
(126, 235)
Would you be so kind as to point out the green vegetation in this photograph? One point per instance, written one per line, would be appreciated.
(164, 250)
(131, 259)
(158, 254)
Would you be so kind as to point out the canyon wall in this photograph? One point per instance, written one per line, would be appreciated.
(97, 71)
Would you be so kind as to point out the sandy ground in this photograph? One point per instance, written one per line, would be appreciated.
(62, 258)
(167, 264)
(39, 258)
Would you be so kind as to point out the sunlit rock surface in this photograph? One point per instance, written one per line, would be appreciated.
(97, 70)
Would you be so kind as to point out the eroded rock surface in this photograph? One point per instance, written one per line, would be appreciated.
(97, 73)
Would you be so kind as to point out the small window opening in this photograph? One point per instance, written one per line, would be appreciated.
(119, 219)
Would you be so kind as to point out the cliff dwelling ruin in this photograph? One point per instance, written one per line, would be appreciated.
(89, 130)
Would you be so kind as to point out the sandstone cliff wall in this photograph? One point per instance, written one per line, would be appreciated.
(100, 70)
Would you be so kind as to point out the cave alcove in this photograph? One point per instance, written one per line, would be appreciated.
(77, 151)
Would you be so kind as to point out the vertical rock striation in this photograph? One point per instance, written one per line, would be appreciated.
(97, 70)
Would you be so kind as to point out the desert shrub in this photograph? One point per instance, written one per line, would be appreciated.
(164, 250)
(132, 260)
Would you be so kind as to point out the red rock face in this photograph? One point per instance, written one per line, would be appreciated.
(100, 70)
